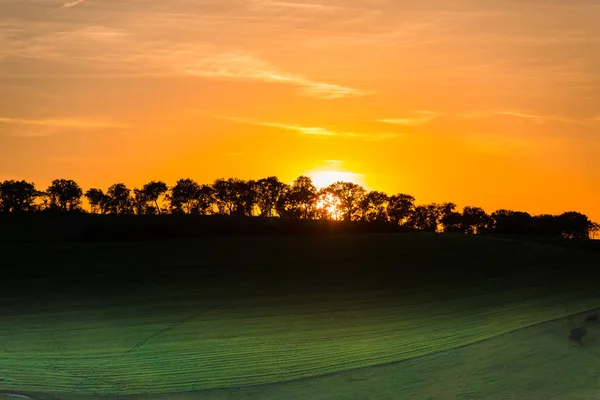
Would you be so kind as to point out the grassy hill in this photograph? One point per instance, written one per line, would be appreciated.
(214, 313)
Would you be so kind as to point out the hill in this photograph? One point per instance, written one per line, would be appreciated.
(107, 318)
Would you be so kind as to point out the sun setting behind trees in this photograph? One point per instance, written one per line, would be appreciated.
(316, 199)
(301, 200)
(333, 172)
(479, 102)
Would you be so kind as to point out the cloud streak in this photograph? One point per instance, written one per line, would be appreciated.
(419, 118)
(67, 123)
(316, 131)
(534, 117)
(73, 3)
(244, 67)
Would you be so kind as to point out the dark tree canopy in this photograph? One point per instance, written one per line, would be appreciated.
(475, 220)
(17, 196)
(298, 200)
(98, 201)
(64, 195)
(119, 199)
(374, 206)
(183, 196)
(269, 197)
(349, 197)
(152, 193)
(268, 192)
(400, 207)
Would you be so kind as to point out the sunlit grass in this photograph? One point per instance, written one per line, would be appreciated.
(303, 308)
(86, 351)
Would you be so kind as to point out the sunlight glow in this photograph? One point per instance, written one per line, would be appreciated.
(324, 178)
(327, 207)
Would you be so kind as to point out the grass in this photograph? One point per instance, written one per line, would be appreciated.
(220, 313)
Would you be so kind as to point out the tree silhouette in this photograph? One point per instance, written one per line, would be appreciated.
(419, 218)
(575, 225)
(205, 201)
(327, 206)
(427, 217)
(373, 207)
(183, 196)
(18, 196)
(547, 225)
(153, 191)
(140, 202)
(268, 191)
(350, 196)
(98, 201)
(268, 197)
(474, 220)
(119, 199)
(450, 220)
(511, 222)
(594, 230)
(235, 196)
(400, 207)
(64, 195)
(298, 200)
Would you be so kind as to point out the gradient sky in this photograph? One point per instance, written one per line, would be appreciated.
(494, 103)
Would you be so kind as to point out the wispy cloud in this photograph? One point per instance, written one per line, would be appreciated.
(534, 117)
(72, 123)
(417, 118)
(73, 3)
(100, 49)
(300, 5)
(304, 130)
(314, 130)
(240, 66)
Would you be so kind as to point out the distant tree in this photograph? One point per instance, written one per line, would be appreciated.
(182, 197)
(511, 222)
(475, 220)
(373, 207)
(575, 225)
(595, 230)
(547, 225)
(235, 196)
(140, 202)
(268, 191)
(153, 191)
(204, 201)
(327, 206)
(18, 196)
(350, 196)
(119, 199)
(98, 201)
(425, 217)
(64, 195)
(440, 210)
(400, 207)
(298, 200)
(450, 220)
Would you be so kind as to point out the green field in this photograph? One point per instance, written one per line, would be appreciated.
(370, 316)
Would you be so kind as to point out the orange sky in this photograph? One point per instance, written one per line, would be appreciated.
(493, 103)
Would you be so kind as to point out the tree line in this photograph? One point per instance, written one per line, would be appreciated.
(270, 197)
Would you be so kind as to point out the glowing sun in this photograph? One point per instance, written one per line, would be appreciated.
(324, 178)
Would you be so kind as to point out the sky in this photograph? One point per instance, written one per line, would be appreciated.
(491, 103)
